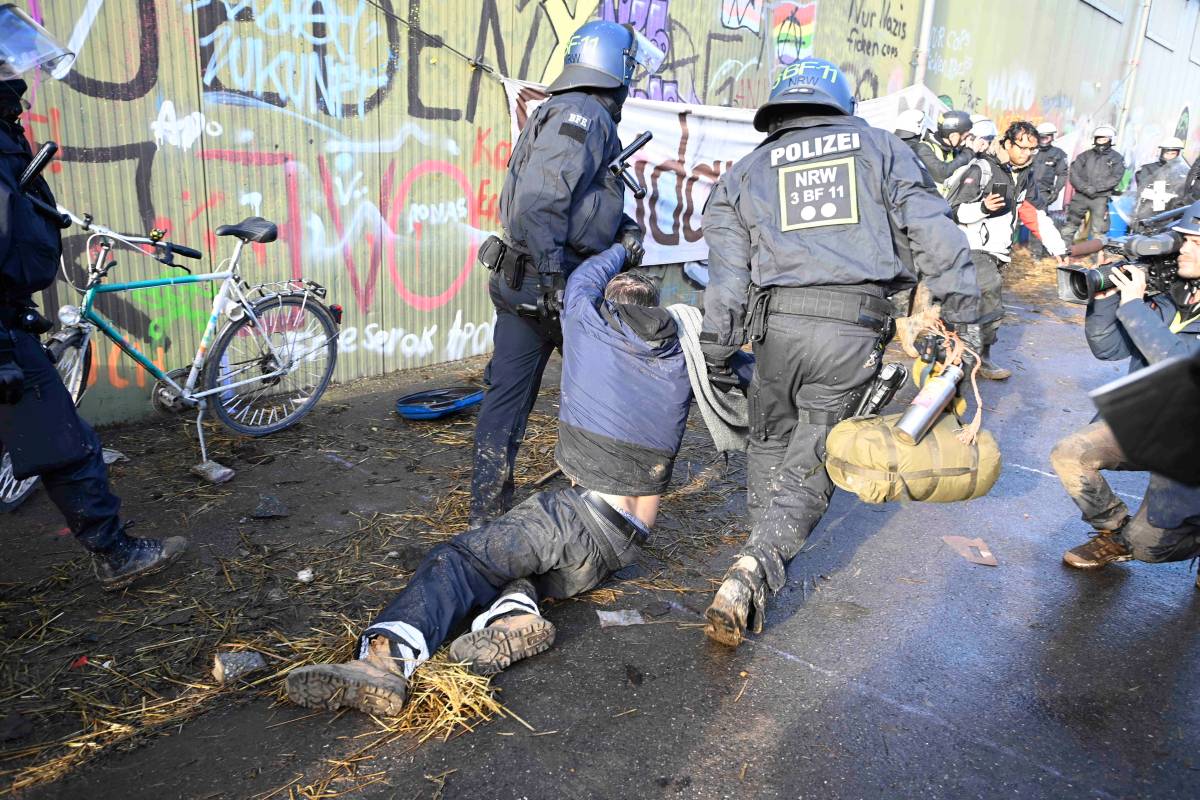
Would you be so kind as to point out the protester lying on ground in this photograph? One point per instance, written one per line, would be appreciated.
(1125, 323)
(623, 409)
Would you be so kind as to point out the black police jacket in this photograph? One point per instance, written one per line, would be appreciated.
(1096, 173)
(1049, 174)
(30, 243)
(941, 161)
(560, 203)
(830, 201)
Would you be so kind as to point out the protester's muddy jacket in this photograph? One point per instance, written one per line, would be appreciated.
(560, 203)
(625, 389)
(1049, 174)
(829, 201)
(1096, 173)
(1142, 332)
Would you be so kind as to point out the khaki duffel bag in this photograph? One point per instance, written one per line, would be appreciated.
(864, 457)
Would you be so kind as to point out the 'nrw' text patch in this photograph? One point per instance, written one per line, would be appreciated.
(812, 195)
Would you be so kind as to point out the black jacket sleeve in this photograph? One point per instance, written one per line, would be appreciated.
(940, 251)
(941, 170)
(1080, 177)
(725, 296)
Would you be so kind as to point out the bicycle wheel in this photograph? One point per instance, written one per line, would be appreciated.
(304, 335)
(73, 362)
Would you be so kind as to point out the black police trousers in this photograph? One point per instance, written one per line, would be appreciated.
(553, 538)
(1081, 204)
(807, 370)
(513, 376)
(45, 436)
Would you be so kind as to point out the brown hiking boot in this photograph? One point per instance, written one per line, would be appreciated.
(372, 685)
(503, 642)
(993, 372)
(740, 604)
(1102, 549)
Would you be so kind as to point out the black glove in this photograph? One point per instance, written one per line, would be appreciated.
(12, 377)
(720, 373)
(631, 240)
(551, 285)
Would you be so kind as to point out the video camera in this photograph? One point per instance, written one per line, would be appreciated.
(1155, 253)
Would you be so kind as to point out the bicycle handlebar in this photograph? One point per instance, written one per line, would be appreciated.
(186, 252)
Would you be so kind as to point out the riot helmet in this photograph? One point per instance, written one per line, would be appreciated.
(911, 122)
(26, 45)
(952, 122)
(1047, 129)
(983, 128)
(1168, 145)
(1189, 223)
(605, 55)
(1104, 131)
(810, 85)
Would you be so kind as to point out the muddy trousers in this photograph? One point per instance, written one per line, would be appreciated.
(1096, 207)
(808, 370)
(513, 376)
(1078, 460)
(44, 435)
(554, 539)
(991, 294)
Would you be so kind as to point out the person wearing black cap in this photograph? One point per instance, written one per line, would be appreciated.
(808, 235)
(559, 205)
(39, 426)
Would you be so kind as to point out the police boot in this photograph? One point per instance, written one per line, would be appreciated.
(740, 604)
(989, 369)
(373, 684)
(134, 558)
(511, 629)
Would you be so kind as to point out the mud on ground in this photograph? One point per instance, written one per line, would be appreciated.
(353, 493)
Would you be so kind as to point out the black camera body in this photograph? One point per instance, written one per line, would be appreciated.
(1156, 254)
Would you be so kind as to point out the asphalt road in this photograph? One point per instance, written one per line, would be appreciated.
(890, 666)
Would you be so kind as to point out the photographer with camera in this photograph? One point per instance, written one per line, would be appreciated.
(1147, 328)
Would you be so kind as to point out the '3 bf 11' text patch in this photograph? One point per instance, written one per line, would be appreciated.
(576, 126)
(813, 195)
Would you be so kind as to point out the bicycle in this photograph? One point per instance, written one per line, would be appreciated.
(267, 367)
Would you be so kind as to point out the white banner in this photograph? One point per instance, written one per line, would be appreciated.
(693, 147)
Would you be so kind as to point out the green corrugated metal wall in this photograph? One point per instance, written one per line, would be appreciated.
(380, 152)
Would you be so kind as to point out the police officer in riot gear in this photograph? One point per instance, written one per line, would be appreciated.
(1049, 168)
(1095, 175)
(807, 237)
(559, 205)
(949, 146)
(1160, 184)
(39, 426)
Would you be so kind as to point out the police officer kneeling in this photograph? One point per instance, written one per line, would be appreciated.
(559, 205)
(807, 237)
(39, 426)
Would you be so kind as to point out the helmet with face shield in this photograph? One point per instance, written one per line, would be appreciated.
(606, 55)
(25, 45)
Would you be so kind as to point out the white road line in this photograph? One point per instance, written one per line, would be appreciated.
(1045, 474)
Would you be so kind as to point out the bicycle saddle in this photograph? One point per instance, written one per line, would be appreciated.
(251, 229)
